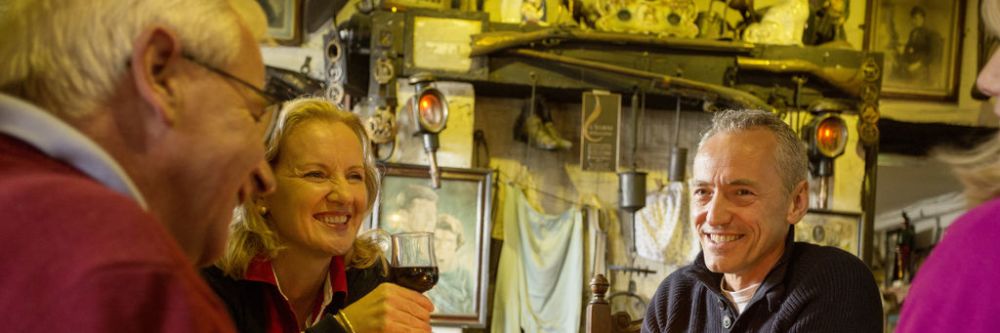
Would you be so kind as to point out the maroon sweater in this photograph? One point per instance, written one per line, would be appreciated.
(79, 257)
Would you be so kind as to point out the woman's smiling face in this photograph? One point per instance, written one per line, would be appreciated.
(321, 198)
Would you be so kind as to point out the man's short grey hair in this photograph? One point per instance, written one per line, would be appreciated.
(793, 163)
(68, 55)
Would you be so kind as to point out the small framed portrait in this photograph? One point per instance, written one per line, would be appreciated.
(921, 41)
(458, 213)
(831, 228)
(987, 46)
(284, 20)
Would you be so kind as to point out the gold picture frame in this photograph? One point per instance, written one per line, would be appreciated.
(921, 41)
(831, 228)
(284, 20)
(462, 202)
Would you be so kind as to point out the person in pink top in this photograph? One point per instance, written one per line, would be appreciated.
(956, 288)
(129, 130)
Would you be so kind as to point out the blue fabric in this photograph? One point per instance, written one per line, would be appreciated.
(540, 278)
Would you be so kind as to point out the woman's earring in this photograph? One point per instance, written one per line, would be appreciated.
(262, 210)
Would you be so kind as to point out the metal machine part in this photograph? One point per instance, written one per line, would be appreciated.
(384, 71)
(381, 127)
(632, 190)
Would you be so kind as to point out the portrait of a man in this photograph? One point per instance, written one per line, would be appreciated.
(417, 210)
(921, 51)
(455, 213)
(920, 42)
(455, 289)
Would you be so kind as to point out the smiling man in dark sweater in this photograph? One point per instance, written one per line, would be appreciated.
(748, 189)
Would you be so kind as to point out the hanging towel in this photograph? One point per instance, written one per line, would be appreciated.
(540, 278)
(664, 234)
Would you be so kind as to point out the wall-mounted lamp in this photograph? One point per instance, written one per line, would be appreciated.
(430, 108)
(826, 136)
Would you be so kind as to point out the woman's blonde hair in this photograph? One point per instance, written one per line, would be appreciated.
(978, 169)
(253, 234)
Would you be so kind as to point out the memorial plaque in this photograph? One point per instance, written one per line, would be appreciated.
(599, 136)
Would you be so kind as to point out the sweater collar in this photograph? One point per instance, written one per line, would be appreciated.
(773, 286)
(57, 139)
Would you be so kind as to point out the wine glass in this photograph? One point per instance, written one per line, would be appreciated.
(412, 263)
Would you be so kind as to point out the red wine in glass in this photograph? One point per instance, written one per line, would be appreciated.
(419, 279)
(412, 264)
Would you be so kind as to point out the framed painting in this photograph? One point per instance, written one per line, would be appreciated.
(284, 20)
(831, 228)
(921, 41)
(458, 213)
(986, 47)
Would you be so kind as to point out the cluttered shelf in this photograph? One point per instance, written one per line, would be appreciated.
(503, 59)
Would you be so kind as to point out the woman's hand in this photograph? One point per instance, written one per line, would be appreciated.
(391, 308)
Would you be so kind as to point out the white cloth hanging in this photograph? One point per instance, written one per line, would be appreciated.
(540, 278)
(664, 233)
(596, 250)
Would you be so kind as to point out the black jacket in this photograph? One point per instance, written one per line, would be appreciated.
(811, 289)
(246, 301)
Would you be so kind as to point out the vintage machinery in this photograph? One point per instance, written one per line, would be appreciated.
(498, 58)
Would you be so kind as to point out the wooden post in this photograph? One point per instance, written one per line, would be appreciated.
(599, 311)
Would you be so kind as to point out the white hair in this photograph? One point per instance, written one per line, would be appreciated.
(68, 55)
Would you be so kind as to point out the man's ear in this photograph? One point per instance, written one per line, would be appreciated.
(798, 203)
(154, 64)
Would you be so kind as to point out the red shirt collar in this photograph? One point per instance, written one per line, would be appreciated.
(281, 318)
(260, 270)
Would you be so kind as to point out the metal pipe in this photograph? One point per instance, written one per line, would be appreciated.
(848, 80)
(491, 42)
(868, 202)
(824, 192)
(431, 145)
(635, 127)
(664, 81)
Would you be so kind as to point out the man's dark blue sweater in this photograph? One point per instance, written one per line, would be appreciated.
(811, 289)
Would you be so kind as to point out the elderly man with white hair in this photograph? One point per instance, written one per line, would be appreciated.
(129, 130)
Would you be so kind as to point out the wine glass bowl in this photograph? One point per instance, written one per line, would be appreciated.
(412, 263)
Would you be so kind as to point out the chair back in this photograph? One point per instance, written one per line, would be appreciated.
(599, 317)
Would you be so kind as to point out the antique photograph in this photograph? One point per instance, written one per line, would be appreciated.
(921, 42)
(458, 215)
(830, 228)
(283, 20)
(984, 50)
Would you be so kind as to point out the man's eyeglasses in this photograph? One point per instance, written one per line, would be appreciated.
(273, 101)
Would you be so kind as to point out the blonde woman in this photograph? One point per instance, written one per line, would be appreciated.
(956, 289)
(294, 262)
